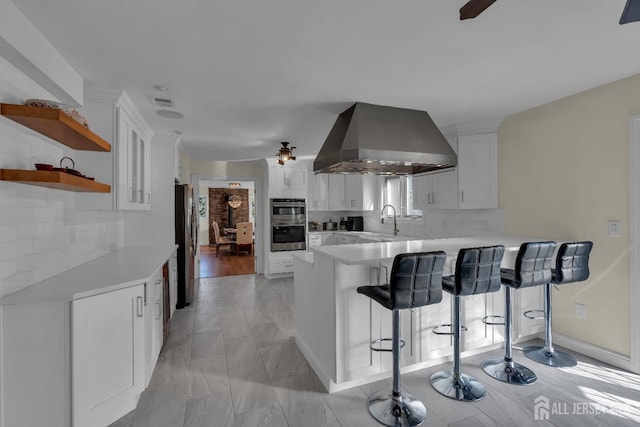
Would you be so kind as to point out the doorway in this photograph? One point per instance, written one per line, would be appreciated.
(226, 202)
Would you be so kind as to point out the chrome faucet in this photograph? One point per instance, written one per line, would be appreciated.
(395, 225)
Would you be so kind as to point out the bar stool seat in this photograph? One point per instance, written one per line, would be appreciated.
(416, 281)
(477, 272)
(572, 265)
(532, 268)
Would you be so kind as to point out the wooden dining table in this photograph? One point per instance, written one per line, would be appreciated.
(231, 232)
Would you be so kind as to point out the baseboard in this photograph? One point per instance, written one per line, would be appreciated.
(602, 354)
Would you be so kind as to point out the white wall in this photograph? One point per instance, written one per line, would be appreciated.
(41, 232)
(564, 173)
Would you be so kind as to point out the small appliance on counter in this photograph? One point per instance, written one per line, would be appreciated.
(314, 226)
(355, 223)
(343, 224)
(329, 226)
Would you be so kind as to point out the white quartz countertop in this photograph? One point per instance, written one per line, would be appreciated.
(119, 269)
(373, 253)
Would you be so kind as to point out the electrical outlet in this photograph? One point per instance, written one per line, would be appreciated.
(581, 311)
(614, 228)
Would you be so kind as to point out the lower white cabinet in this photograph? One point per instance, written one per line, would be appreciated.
(173, 283)
(153, 322)
(315, 240)
(280, 263)
(108, 355)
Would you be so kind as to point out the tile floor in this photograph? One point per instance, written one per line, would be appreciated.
(231, 360)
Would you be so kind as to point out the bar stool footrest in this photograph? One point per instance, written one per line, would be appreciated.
(380, 340)
(436, 329)
(487, 320)
(529, 315)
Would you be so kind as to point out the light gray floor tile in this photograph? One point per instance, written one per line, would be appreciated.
(264, 417)
(208, 322)
(162, 406)
(480, 420)
(234, 325)
(172, 365)
(215, 410)
(251, 388)
(207, 376)
(266, 334)
(206, 345)
(350, 407)
(303, 406)
(126, 421)
(241, 352)
(283, 360)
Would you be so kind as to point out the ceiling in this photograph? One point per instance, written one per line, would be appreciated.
(248, 74)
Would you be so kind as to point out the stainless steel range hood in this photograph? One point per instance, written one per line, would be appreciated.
(381, 140)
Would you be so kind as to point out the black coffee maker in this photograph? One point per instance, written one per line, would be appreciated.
(355, 223)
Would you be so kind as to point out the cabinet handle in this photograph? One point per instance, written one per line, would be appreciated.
(139, 306)
(428, 198)
(433, 198)
(158, 281)
(461, 196)
(145, 294)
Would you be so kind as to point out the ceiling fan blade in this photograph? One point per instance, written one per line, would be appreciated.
(474, 8)
(631, 12)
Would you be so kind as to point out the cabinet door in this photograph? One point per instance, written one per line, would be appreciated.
(146, 173)
(370, 191)
(329, 239)
(445, 190)
(153, 323)
(318, 192)
(422, 191)
(173, 283)
(336, 192)
(353, 192)
(523, 300)
(478, 171)
(434, 346)
(296, 178)
(108, 355)
(478, 334)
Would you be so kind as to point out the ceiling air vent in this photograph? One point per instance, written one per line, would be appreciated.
(163, 102)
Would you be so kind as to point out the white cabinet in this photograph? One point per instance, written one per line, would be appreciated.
(173, 283)
(108, 353)
(280, 263)
(352, 192)
(134, 165)
(329, 239)
(129, 172)
(153, 303)
(436, 191)
(287, 181)
(478, 171)
(336, 192)
(318, 192)
(315, 239)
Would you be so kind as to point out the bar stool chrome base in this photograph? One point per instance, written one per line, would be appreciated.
(553, 357)
(509, 372)
(463, 387)
(401, 411)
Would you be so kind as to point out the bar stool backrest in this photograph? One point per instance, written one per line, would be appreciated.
(416, 279)
(572, 262)
(533, 263)
(478, 270)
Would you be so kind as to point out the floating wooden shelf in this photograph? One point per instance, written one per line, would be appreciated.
(57, 125)
(54, 179)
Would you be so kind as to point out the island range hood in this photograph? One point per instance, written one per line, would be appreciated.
(380, 140)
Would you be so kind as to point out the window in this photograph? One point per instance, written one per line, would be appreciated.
(398, 192)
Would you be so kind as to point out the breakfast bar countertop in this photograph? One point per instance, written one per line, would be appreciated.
(373, 253)
(118, 269)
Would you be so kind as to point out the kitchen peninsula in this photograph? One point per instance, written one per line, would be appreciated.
(335, 325)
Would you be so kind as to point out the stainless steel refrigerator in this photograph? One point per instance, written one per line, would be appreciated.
(187, 241)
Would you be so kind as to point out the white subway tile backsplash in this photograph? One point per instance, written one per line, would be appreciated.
(41, 232)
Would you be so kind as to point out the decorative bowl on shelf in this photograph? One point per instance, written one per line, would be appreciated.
(69, 111)
(43, 167)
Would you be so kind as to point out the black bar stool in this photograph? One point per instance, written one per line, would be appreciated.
(532, 268)
(416, 281)
(572, 265)
(477, 272)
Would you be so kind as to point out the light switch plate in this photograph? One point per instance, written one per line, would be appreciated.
(614, 228)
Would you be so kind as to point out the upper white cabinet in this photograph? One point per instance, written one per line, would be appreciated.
(287, 181)
(351, 192)
(436, 191)
(472, 185)
(478, 171)
(129, 172)
(318, 192)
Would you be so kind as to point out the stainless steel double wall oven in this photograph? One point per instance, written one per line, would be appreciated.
(288, 222)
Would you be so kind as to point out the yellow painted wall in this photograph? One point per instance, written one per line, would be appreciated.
(564, 172)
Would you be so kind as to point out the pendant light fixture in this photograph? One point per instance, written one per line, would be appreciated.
(285, 153)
